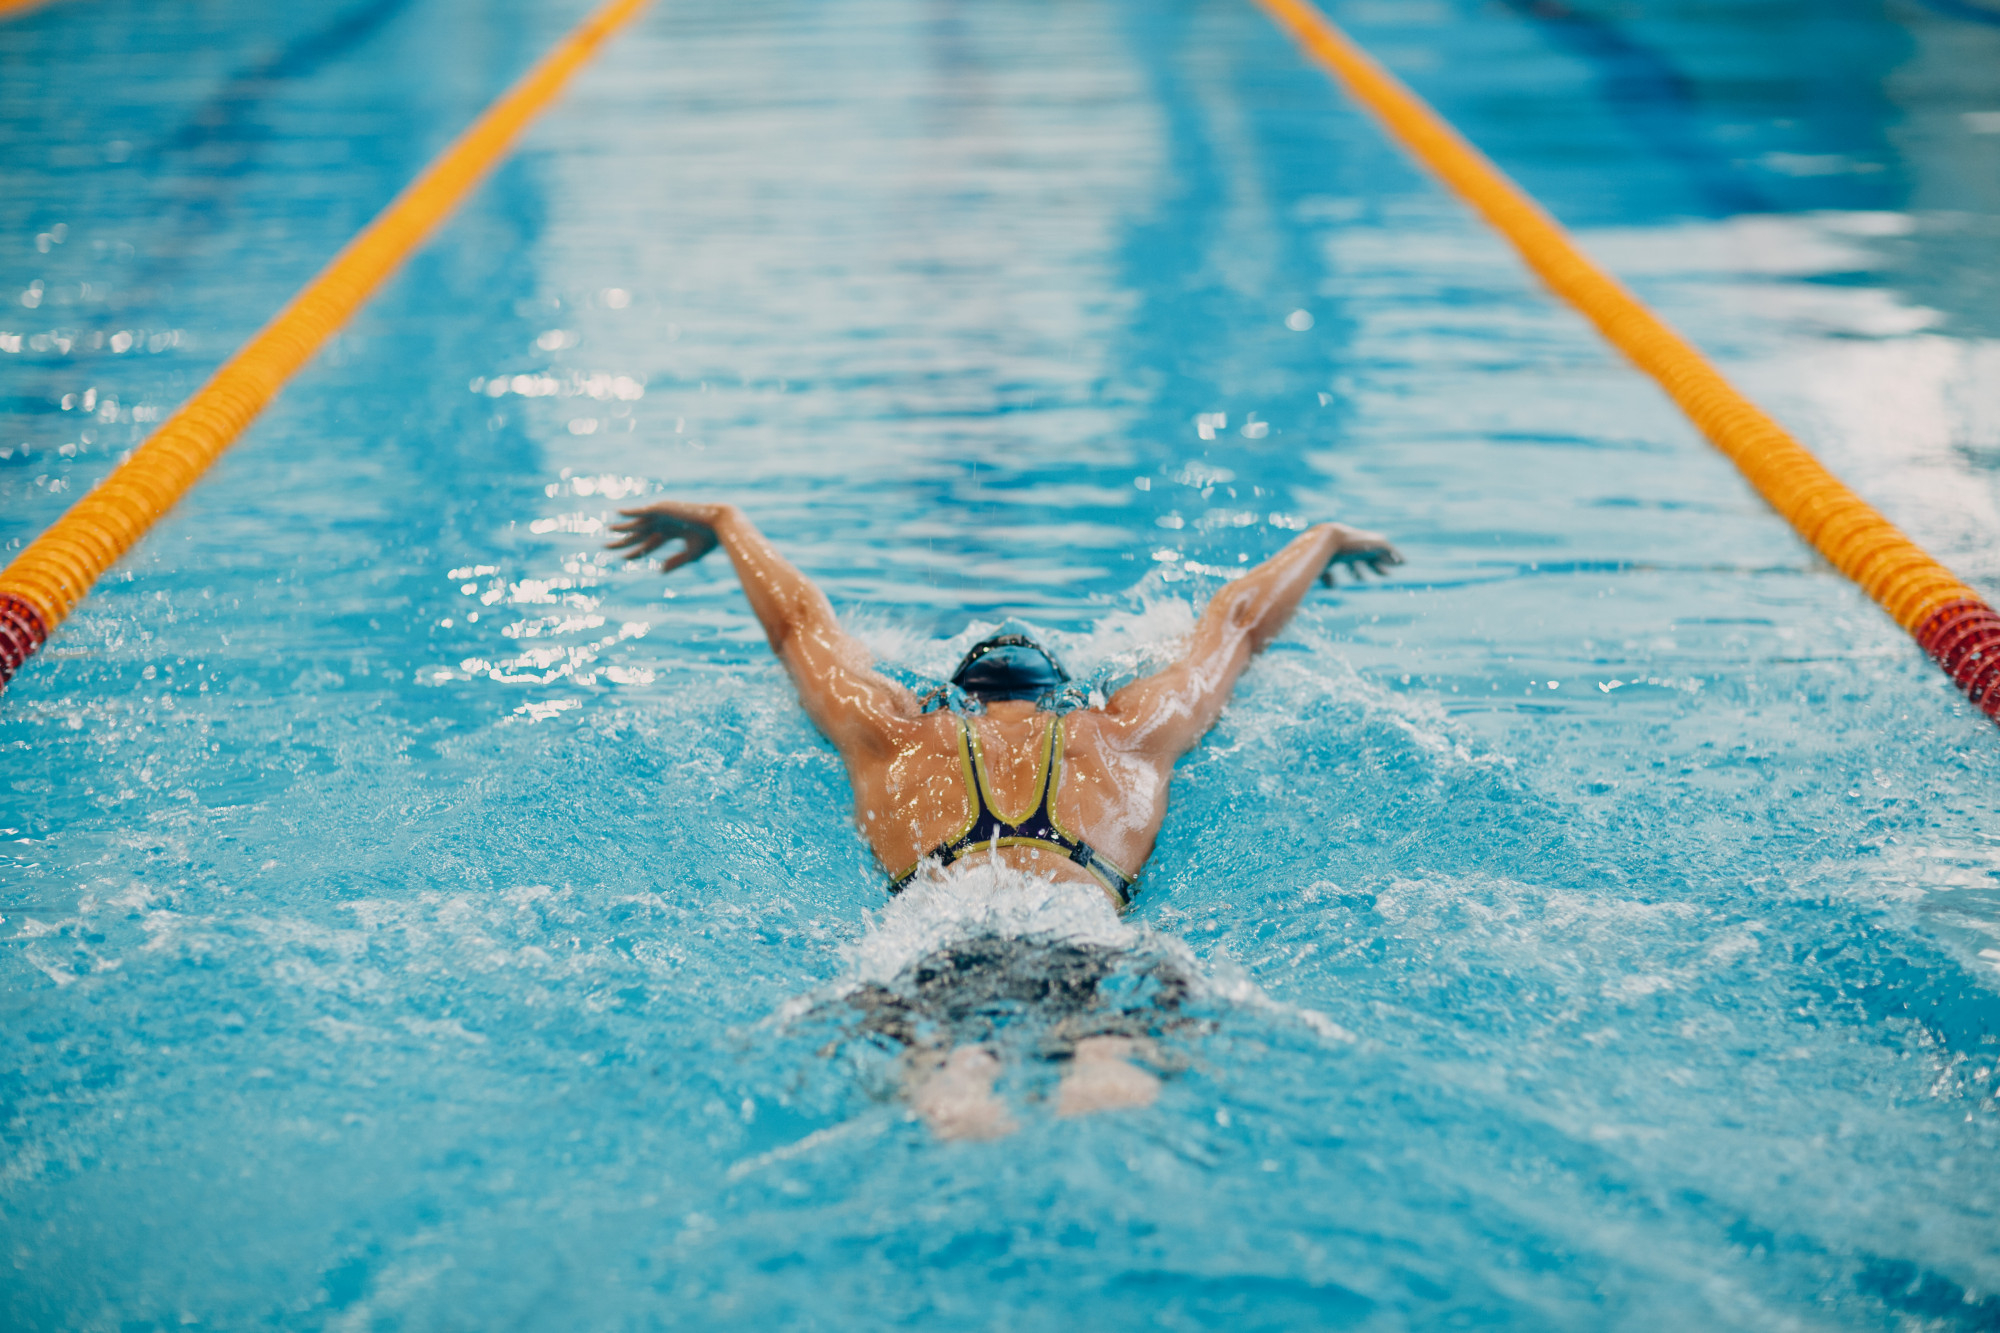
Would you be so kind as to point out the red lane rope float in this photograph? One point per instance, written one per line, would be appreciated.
(1951, 621)
(55, 571)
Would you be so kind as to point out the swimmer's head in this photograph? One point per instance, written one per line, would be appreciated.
(1009, 666)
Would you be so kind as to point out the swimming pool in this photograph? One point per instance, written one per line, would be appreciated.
(414, 921)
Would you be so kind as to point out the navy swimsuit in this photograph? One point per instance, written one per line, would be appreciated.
(987, 827)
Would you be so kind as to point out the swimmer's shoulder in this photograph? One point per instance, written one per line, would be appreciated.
(914, 730)
(1089, 729)
(887, 725)
(1111, 731)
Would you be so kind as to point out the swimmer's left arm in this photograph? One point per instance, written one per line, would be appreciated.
(1166, 713)
(834, 672)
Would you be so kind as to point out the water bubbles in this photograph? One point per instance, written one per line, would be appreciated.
(986, 898)
(616, 298)
(609, 486)
(1299, 321)
(1198, 474)
(543, 711)
(552, 625)
(581, 524)
(601, 385)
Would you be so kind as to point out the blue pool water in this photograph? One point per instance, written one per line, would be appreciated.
(413, 921)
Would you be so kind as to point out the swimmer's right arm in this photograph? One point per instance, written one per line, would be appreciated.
(834, 672)
(1166, 713)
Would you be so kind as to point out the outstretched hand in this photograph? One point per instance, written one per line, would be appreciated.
(647, 530)
(1354, 548)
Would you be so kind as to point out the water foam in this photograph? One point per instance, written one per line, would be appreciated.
(1120, 646)
(957, 905)
(940, 908)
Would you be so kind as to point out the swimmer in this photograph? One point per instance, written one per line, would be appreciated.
(1075, 797)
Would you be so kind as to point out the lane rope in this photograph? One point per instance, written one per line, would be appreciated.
(1952, 623)
(42, 584)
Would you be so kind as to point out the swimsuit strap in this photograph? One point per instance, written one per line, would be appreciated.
(986, 826)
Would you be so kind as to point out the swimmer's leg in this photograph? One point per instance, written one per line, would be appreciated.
(954, 1094)
(1100, 1078)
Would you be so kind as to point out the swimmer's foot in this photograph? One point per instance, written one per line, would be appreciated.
(1101, 1079)
(956, 1099)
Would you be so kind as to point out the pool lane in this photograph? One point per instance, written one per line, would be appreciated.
(1947, 618)
(1582, 955)
(55, 571)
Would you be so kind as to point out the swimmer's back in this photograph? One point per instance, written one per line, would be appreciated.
(913, 792)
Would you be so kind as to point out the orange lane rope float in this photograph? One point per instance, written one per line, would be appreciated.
(55, 571)
(1951, 621)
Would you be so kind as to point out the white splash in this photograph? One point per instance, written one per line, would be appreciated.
(1117, 648)
(941, 907)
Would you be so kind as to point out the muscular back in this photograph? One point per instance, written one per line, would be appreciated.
(910, 793)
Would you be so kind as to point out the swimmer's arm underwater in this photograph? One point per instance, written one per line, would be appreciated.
(1165, 714)
(834, 672)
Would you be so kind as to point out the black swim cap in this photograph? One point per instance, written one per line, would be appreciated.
(1009, 666)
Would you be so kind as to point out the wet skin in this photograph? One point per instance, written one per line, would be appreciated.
(909, 786)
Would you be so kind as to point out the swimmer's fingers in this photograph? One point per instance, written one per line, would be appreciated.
(1366, 547)
(647, 530)
(1354, 562)
(696, 542)
(1380, 563)
(639, 522)
(638, 545)
(637, 540)
(1356, 549)
(686, 555)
